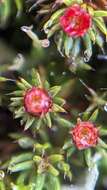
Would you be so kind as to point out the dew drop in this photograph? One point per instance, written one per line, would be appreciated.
(46, 31)
(64, 73)
(52, 73)
(54, 128)
(87, 55)
(102, 57)
(105, 107)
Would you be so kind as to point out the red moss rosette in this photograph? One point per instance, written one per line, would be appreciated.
(76, 21)
(85, 135)
(37, 101)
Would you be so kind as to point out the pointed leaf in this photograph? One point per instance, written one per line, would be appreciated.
(59, 101)
(66, 169)
(29, 122)
(103, 132)
(92, 35)
(63, 122)
(48, 120)
(26, 142)
(70, 151)
(22, 177)
(68, 44)
(46, 85)
(51, 169)
(54, 90)
(76, 48)
(19, 5)
(56, 14)
(21, 85)
(59, 42)
(99, 40)
(100, 13)
(88, 47)
(57, 108)
(20, 158)
(85, 115)
(21, 166)
(101, 25)
(53, 182)
(36, 80)
(39, 123)
(55, 158)
(16, 136)
(19, 113)
(39, 183)
(16, 99)
(94, 116)
(17, 93)
(67, 144)
(25, 83)
(55, 28)
(102, 144)
(88, 158)
(41, 147)
(52, 20)
(70, 2)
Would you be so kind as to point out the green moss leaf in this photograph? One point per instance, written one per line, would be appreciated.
(88, 158)
(51, 169)
(48, 120)
(55, 158)
(57, 108)
(54, 90)
(21, 166)
(100, 13)
(94, 116)
(29, 122)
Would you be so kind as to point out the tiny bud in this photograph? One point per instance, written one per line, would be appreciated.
(26, 28)
(45, 43)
